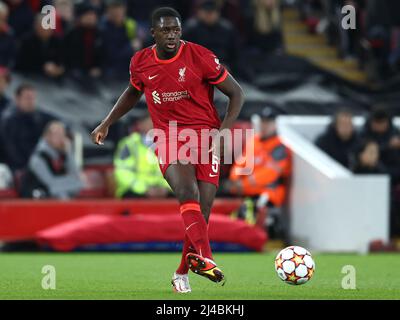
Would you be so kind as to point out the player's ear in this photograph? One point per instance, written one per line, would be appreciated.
(152, 31)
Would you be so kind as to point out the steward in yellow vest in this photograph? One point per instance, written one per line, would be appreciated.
(137, 173)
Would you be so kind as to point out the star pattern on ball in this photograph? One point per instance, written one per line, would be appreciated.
(278, 262)
(297, 260)
(292, 277)
(294, 265)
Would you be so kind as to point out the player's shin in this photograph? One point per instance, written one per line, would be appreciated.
(187, 247)
(196, 228)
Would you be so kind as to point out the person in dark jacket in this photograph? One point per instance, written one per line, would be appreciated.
(21, 17)
(215, 33)
(367, 159)
(340, 139)
(5, 79)
(84, 43)
(52, 170)
(22, 127)
(41, 52)
(4, 102)
(64, 16)
(264, 26)
(379, 128)
(120, 32)
(7, 39)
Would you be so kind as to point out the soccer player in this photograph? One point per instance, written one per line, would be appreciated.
(178, 79)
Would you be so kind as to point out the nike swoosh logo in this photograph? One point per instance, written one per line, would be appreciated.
(191, 225)
(152, 77)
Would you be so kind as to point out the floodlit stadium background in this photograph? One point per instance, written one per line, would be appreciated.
(292, 56)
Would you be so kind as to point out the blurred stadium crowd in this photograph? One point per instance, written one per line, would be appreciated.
(375, 149)
(375, 42)
(88, 32)
(93, 42)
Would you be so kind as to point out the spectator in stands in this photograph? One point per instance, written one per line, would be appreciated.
(213, 32)
(380, 16)
(64, 16)
(21, 17)
(267, 183)
(339, 139)
(349, 45)
(41, 52)
(137, 173)
(37, 5)
(84, 43)
(367, 159)
(22, 127)
(98, 5)
(5, 79)
(7, 39)
(383, 157)
(52, 171)
(120, 32)
(4, 102)
(265, 29)
(141, 10)
(235, 11)
(379, 128)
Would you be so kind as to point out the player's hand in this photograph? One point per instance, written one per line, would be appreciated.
(99, 134)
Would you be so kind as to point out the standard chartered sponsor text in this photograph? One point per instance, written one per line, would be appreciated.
(175, 96)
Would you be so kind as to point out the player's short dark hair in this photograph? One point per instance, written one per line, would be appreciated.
(158, 13)
(21, 88)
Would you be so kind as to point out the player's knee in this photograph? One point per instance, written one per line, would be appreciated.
(186, 193)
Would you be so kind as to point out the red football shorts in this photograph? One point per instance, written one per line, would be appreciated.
(191, 150)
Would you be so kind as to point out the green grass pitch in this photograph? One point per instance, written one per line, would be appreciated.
(147, 276)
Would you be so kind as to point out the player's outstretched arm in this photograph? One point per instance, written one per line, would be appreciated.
(126, 102)
(234, 92)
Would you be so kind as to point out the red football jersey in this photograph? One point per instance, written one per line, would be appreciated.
(179, 89)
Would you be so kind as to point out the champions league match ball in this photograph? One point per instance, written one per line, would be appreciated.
(294, 265)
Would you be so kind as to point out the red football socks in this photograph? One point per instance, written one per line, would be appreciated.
(187, 247)
(196, 229)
